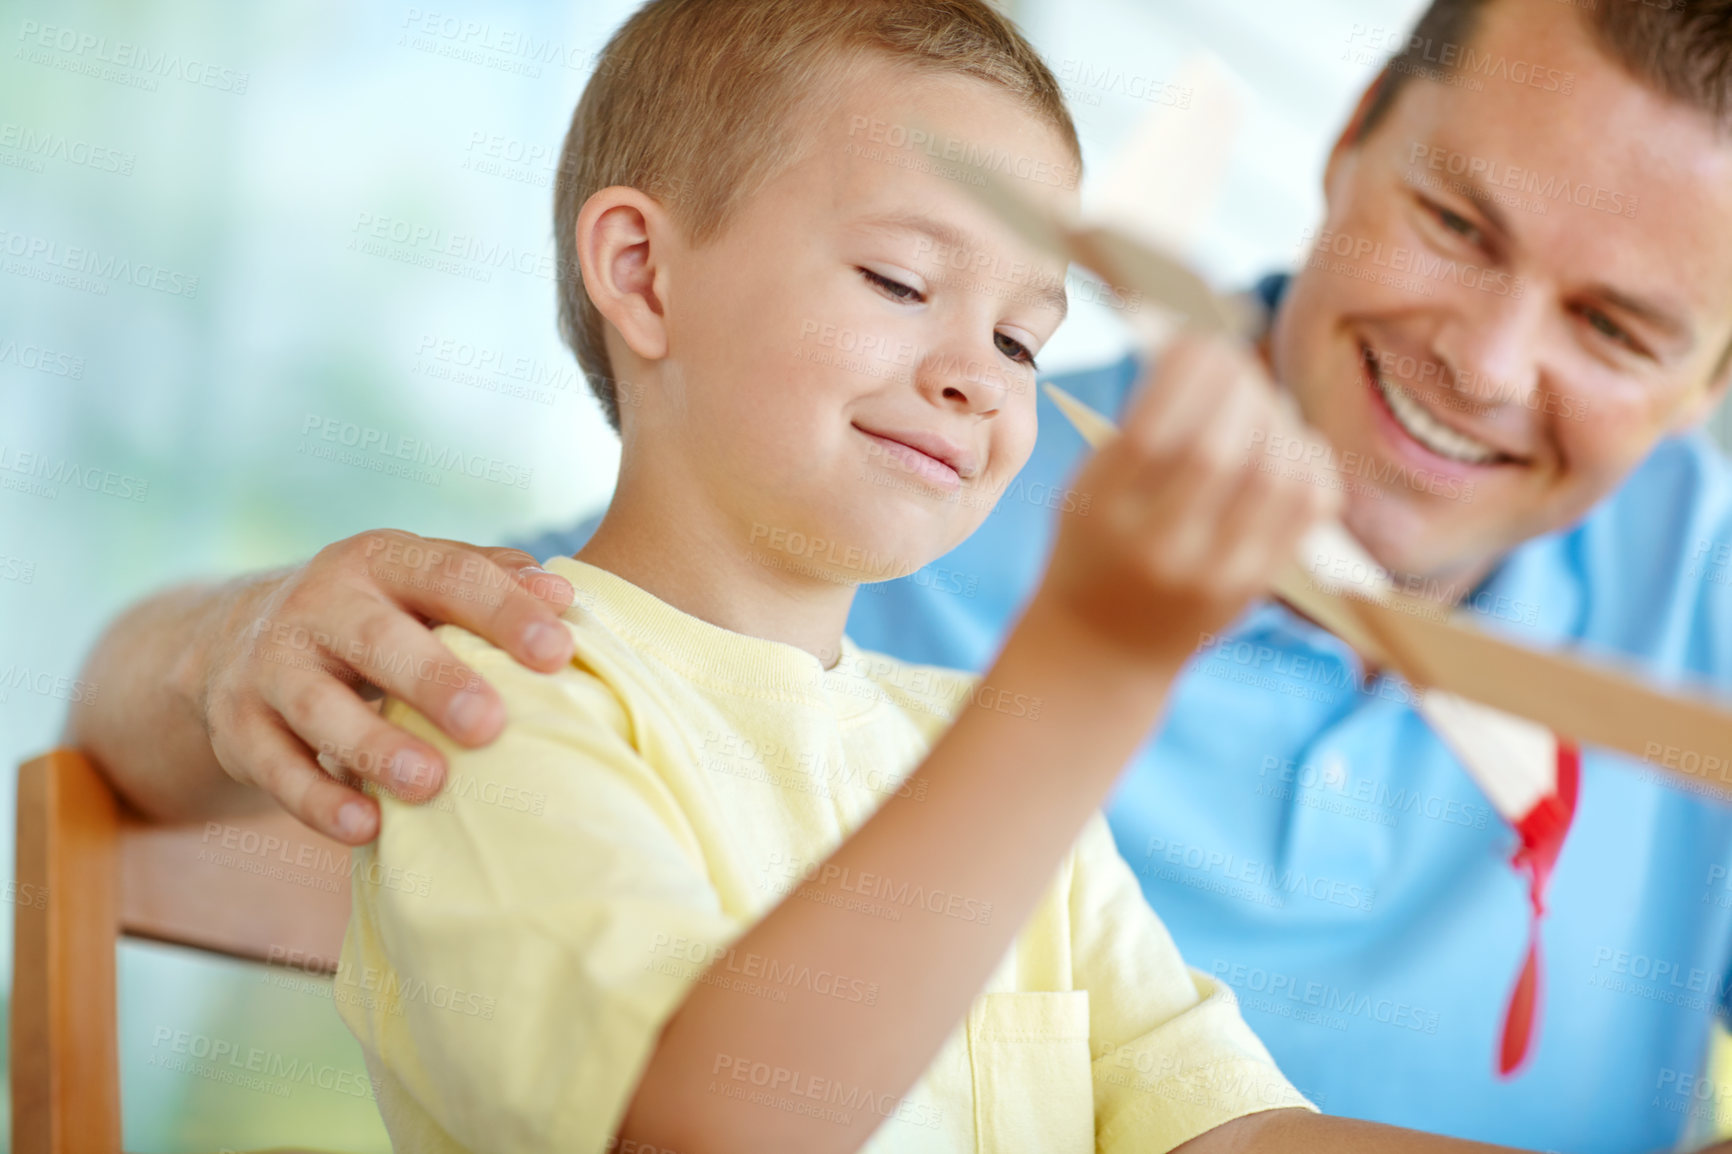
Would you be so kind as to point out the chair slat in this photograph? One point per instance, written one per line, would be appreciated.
(262, 888)
(65, 1076)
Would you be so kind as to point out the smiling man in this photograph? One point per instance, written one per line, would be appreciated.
(1516, 310)
(1566, 294)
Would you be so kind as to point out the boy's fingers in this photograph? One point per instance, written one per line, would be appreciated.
(1189, 386)
(1222, 440)
(1279, 518)
(1191, 484)
(284, 769)
(495, 605)
(1215, 455)
(348, 737)
(1156, 419)
(1257, 527)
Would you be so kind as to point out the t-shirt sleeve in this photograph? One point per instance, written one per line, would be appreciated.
(1172, 1056)
(520, 941)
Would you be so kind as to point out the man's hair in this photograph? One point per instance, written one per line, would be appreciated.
(699, 103)
(1681, 48)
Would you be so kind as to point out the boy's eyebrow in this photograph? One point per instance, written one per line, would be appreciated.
(1045, 292)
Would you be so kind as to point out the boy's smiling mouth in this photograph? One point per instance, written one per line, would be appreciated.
(926, 455)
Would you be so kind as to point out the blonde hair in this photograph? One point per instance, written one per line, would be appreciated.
(694, 102)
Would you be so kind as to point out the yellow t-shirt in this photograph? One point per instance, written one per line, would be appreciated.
(517, 944)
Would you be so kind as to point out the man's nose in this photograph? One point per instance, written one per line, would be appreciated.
(1492, 349)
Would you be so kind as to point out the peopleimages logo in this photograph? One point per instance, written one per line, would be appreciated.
(41, 257)
(137, 65)
(43, 475)
(21, 677)
(1449, 62)
(1498, 174)
(1263, 878)
(41, 359)
(461, 254)
(1298, 990)
(496, 46)
(1362, 251)
(34, 145)
(969, 154)
(380, 450)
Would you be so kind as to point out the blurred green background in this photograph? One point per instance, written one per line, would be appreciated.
(222, 226)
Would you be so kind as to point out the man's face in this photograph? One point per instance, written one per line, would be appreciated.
(1516, 292)
(850, 379)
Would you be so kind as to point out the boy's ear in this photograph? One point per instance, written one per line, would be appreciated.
(620, 234)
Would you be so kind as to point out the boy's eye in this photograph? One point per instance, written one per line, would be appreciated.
(1014, 349)
(892, 288)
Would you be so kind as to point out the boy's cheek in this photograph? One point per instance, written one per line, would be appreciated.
(1013, 441)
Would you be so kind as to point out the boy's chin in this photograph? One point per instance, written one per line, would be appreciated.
(902, 540)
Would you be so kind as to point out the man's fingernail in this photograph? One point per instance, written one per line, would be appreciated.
(467, 711)
(353, 820)
(545, 642)
(409, 770)
(545, 585)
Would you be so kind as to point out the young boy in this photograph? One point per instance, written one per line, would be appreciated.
(727, 882)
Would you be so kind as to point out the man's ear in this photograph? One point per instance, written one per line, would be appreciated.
(1354, 129)
(622, 235)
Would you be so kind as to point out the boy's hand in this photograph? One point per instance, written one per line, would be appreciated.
(1188, 519)
(289, 684)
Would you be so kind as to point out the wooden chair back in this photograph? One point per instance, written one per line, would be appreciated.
(265, 889)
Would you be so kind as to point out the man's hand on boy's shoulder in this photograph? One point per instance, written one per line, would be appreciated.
(288, 688)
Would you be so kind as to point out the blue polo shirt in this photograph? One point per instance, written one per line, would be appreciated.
(1307, 839)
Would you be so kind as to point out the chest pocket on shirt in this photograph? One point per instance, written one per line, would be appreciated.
(1033, 1083)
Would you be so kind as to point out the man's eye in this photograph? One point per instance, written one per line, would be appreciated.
(892, 288)
(1608, 328)
(1457, 223)
(1014, 349)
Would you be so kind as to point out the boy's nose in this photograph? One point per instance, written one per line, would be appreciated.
(962, 381)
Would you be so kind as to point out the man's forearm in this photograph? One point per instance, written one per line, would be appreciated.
(144, 724)
(219, 699)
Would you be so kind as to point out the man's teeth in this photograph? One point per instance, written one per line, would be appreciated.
(1430, 432)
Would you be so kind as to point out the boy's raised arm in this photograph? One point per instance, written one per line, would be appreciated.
(205, 690)
(1182, 531)
(1300, 1132)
